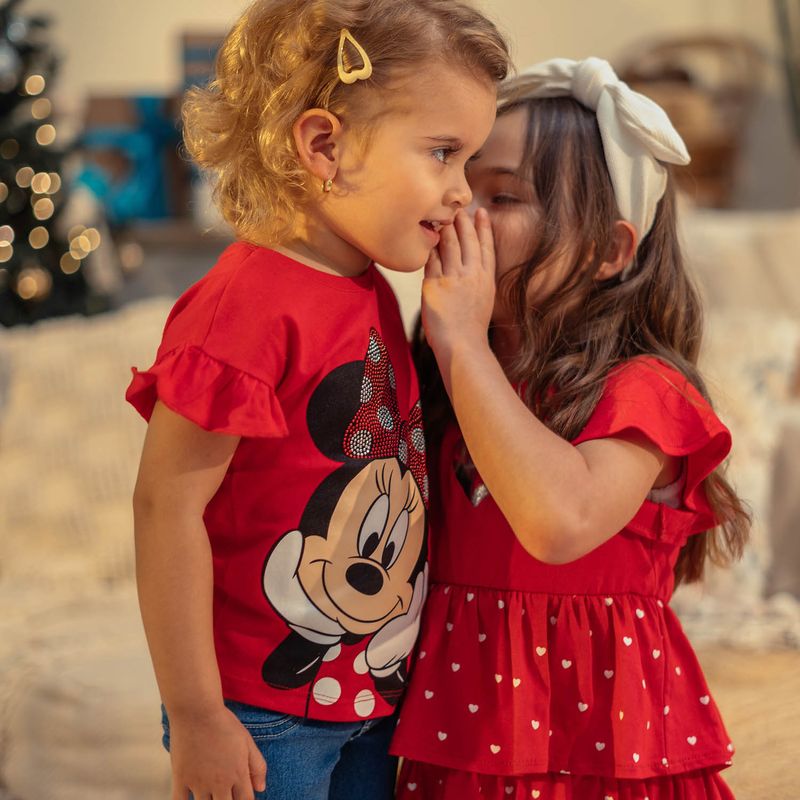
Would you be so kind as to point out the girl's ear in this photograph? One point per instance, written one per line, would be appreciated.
(622, 251)
(317, 134)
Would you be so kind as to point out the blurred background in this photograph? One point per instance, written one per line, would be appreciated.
(103, 224)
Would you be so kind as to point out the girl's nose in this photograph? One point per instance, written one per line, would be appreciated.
(460, 193)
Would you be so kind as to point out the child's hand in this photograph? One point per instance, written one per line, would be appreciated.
(458, 290)
(213, 755)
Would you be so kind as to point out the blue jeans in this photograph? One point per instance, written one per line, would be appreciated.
(312, 760)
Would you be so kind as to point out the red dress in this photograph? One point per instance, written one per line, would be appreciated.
(318, 529)
(576, 680)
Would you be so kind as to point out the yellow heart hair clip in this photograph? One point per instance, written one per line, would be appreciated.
(353, 75)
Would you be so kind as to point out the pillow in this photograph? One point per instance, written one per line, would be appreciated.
(69, 445)
(748, 360)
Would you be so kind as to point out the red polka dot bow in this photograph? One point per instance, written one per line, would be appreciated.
(377, 430)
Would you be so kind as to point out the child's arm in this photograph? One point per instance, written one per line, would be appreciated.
(181, 468)
(561, 500)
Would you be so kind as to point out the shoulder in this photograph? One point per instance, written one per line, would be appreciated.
(648, 372)
(654, 398)
(649, 383)
(233, 286)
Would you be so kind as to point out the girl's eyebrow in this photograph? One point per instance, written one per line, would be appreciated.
(498, 170)
(451, 140)
(514, 173)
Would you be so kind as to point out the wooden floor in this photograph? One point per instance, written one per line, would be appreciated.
(759, 697)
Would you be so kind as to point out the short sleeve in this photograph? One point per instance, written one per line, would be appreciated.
(214, 395)
(648, 397)
(221, 356)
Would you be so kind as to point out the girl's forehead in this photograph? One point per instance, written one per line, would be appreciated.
(505, 147)
(446, 97)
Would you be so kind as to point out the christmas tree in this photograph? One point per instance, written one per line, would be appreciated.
(42, 266)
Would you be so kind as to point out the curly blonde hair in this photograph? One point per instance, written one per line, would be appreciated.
(280, 58)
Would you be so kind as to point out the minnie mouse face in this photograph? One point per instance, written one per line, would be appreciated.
(356, 562)
(359, 573)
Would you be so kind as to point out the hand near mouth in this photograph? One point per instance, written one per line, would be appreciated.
(459, 288)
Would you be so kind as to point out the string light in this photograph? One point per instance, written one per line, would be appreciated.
(69, 265)
(55, 182)
(75, 230)
(34, 84)
(39, 237)
(46, 134)
(3, 192)
(6, 251)
(93, 236)
(24, 177)
(80, 247)
(41, 108)
(40, 183)
(43, 208)
(131, 256)
(6, 234)
(34, 283)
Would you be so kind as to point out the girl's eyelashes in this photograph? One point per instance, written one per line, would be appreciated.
(504, 199)
(443, 154)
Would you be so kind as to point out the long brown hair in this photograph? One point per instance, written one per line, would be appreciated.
(567, 348)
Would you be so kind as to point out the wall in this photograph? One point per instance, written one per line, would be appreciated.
(130, 46)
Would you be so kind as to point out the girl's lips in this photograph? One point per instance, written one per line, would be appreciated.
(432, 234)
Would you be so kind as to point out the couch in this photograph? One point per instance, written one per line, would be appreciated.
(79, 716)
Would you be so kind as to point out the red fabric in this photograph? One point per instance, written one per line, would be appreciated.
(426, 782)
(525, 667)
(245, 351)
(208, 392)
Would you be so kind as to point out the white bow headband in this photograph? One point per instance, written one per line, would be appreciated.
(636, 132)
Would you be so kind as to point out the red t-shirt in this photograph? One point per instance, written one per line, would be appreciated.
(318, 530)
(525, 667)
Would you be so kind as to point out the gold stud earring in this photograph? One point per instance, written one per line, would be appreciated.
(327, 185)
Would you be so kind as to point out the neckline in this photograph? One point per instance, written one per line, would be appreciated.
(361, 282)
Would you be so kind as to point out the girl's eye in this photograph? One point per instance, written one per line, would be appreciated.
(504, 199)
(442, 154)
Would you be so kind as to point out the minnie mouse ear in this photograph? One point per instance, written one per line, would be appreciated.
(332, 407)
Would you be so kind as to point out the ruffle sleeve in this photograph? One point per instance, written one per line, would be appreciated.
(211, 393)
(652, 399)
